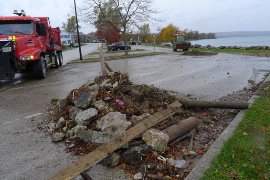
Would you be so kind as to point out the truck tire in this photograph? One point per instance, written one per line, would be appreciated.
(185, 49)
(40, 68)
(55, 57)
(60, 58)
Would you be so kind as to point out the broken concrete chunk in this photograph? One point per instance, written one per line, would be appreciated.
(73, 111)
(156, 139)
(100, 104)
(61, 122)
(133, 155)
(57, 137)
(86, 117)
(114, 122)
(115, 85)
(177, 163)
(85, 100)
(138, 176)
(176, 105)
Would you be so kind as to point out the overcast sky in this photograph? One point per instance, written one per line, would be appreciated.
(201, 15)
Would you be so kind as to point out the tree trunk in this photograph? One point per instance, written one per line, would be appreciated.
(214, 104)
(125, 41)
(180, 129)
(102, 60)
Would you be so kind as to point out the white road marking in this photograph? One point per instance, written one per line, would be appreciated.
(33, 115)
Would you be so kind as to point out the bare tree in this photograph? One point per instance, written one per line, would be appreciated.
(131, 13)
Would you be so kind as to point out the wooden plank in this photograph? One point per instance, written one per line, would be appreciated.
(104, 150)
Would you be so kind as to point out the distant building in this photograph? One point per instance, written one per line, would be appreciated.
(68, 38)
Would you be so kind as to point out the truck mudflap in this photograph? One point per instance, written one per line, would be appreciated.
(7, 64)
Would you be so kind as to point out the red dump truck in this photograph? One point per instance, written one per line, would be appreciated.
(28, 44)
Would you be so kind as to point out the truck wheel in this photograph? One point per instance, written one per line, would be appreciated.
(40, 68)
(185, 49)
(55, 60)
(60, 58)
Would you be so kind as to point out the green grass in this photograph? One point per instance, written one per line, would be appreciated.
(114, 57)
(238, 51)
(246, 155)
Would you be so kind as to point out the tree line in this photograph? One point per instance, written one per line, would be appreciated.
(126, 20)
(196, 35)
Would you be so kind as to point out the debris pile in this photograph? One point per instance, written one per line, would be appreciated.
(96, 112)
(102, 110)
(199, 53)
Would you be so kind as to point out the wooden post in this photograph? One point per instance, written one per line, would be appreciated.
(102, 60)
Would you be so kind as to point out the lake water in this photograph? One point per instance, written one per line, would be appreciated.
(236, 41)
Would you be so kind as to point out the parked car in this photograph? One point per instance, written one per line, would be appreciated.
(75, 45)
(135, 43)
(167, 44)
(118, 46)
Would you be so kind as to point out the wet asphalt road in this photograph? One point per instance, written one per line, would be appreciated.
(26, 153)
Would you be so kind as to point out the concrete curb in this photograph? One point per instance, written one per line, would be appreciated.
(205, 162)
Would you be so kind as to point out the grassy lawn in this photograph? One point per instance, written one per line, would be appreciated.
(113, 57)
(247, 154)
(237, 51)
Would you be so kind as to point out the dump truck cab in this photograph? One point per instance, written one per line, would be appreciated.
(28, 44)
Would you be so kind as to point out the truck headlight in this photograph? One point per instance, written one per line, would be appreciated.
(26, 58)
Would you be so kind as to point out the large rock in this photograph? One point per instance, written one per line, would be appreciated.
(86, 117)
(133, 155)
(156, 139)
(113, 122)
(85, 100)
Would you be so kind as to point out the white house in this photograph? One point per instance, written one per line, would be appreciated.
(68, 38)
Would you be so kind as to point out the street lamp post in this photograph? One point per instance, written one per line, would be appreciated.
(78, 33)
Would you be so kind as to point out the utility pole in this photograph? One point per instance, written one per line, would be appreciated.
(78, 33)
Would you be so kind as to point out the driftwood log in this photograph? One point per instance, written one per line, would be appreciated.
(213, 104)
(180, 129)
